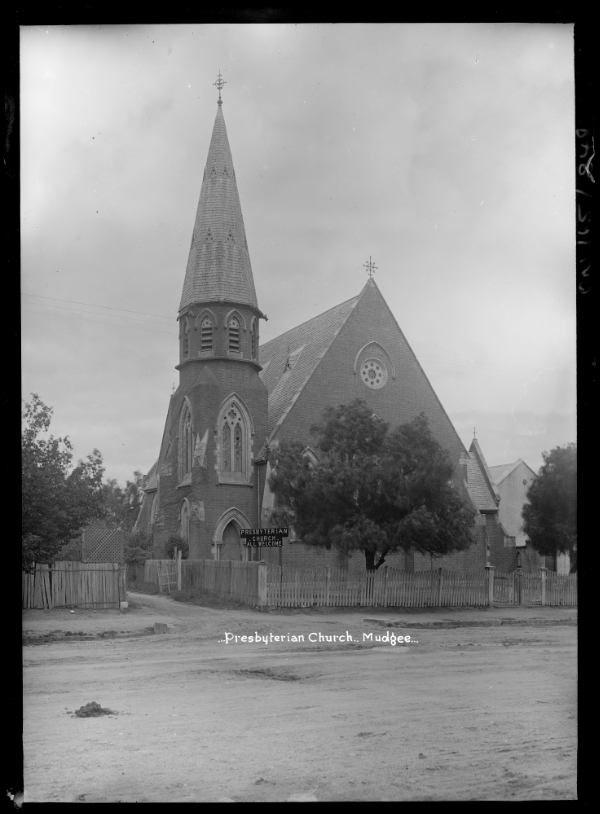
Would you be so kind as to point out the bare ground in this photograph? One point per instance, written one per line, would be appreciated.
(476, 710)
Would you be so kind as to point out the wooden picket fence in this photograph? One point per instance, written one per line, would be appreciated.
(260, 584)
(388, 587)
(439, 587)
(535, 588)
(561, 589)
(74, 584)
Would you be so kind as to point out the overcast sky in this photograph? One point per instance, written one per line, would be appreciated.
(445, 152)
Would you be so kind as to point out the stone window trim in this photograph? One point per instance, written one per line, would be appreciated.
(233, 312)
(234, 436)
(311, 456)
(254, 338)
(185, 335)
(184, 519)
(373, 347)
(154, 508)
(186, 444)
(239, 519)
(202, 315)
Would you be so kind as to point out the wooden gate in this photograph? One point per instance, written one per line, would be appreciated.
(504, 589)
(167, 576)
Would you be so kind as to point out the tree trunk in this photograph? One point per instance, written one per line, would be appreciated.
(370, 558)
(381, 559)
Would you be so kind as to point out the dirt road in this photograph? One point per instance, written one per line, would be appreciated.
(458, 713)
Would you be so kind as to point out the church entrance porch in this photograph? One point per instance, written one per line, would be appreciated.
(228, 543)
(231, 547)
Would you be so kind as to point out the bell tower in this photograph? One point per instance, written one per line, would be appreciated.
(218, 415)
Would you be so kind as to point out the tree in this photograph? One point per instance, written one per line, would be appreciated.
(373, 489)
(123, 504)
(550, 516)
(58, 499)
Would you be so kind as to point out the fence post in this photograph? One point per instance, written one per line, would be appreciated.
(490, 580)
(179, 570)
(543, 572)
(327, 582)
(439, 591)
(385, 585)
(262, 584)
(518, 586)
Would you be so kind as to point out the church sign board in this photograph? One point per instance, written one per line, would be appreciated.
(268, 537)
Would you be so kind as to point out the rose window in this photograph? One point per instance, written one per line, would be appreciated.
(373, 373)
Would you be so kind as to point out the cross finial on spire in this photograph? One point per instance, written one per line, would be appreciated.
(474, 434)
(371, 267)
(219, 85)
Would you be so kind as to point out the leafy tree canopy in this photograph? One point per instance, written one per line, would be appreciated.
(550, 516)
(373, 489)
(58, 499)
(122, 504)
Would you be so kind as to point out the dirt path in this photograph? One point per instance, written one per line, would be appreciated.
(484, 713)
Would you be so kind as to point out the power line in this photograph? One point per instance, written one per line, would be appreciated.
(92, 305)
(93, 313)
(100, 322)
(425, 356)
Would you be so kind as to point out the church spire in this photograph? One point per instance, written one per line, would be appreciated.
(219, 263)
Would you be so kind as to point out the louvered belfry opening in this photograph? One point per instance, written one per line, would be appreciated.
(234, 335)
(206, 336)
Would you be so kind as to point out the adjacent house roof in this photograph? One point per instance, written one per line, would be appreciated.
(289, 360)
(219, 264)
(502, 471)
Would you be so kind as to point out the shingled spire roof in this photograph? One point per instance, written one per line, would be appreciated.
(219, 264)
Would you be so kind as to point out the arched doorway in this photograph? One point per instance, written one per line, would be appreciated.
(226, 537)
(231, 547)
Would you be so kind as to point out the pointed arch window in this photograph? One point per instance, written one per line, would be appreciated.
(206, 336)
(234, 432)
(153, 508)
(184, 521)
(234, 334)
(186, 445)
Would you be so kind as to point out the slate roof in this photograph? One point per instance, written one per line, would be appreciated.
(219, 263)
(289, 360)
(477, 487)
(151, 479)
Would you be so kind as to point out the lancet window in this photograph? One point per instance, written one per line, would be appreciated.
(234, 334)
(186, 443)
(206, 335)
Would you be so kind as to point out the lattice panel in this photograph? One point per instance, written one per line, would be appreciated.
(101, 544)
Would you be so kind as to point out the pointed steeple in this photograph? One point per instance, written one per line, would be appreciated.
(219, 263)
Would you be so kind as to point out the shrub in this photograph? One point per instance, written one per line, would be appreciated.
(138, 546)
(175, 541)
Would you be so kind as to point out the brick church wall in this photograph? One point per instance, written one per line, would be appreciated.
(334, 381)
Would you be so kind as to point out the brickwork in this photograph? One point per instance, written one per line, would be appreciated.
(205, 385)
(334, 381)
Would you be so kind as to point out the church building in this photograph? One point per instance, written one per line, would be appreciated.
(237, 399)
